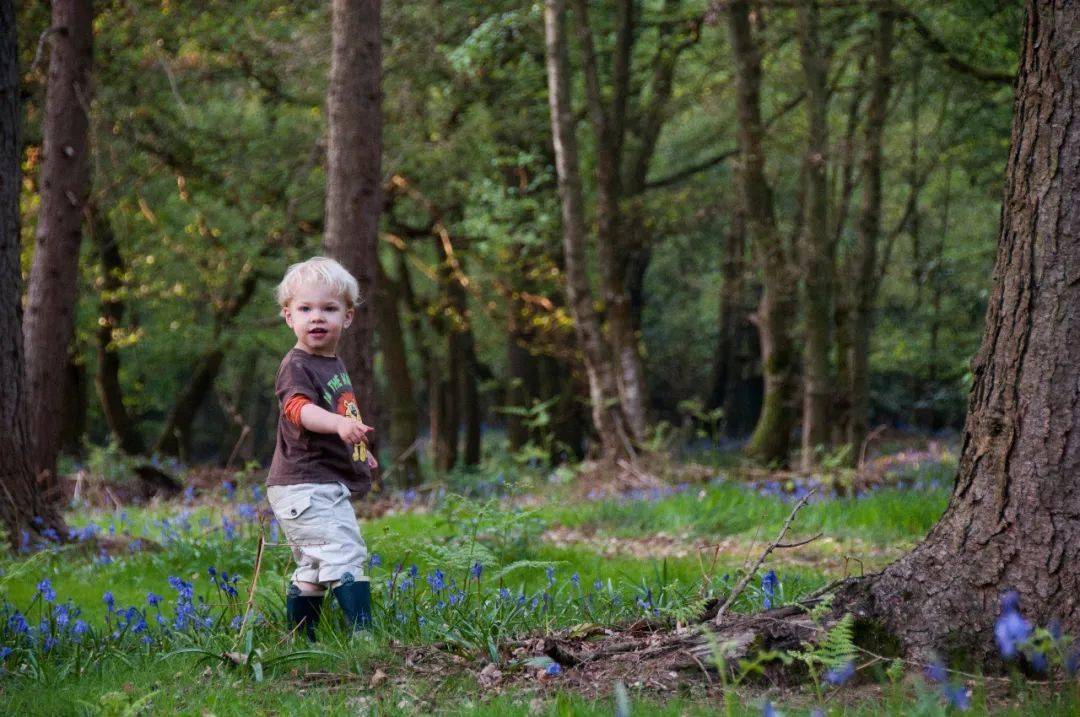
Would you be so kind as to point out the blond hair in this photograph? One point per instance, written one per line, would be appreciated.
(319, 270)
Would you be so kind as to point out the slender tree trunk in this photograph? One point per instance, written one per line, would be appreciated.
(175, 436)
(609, 127)
(22, 497)
(816, 255)
(523, 370)
(733, 375)
(107, 380)
(472, 418)
(354, 181)
(864, 279)
(1013, 521)
(65, 186)
(404, 426)
(611, 425)
(771, 440)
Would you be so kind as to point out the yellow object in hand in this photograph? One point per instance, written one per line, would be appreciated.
(359, 452)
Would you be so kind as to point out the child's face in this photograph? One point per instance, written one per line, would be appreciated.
(317, 315)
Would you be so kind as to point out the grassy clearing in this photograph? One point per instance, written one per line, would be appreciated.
(468, 575)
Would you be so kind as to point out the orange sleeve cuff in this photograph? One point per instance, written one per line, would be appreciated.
(293, 406)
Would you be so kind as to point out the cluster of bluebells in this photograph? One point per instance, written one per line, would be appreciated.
(769, 585)
(639, 495)
(956, 694)
(411, 600)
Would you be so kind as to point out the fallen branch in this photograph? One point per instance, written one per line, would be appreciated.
(741, 585)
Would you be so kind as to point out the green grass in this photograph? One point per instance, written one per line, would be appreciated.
(451, 538)
(882, 517)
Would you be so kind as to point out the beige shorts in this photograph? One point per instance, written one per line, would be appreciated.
(320, 524)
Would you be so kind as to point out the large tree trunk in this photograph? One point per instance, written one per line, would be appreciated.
(65, 186)
(771, 440)
(107, 380)
(864, 276)
(353, 181)
(816, 255)
(22, 495)
(611, 425)
(1013, 521)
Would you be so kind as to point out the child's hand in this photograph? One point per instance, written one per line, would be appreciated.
(371, 461)
(352, 431)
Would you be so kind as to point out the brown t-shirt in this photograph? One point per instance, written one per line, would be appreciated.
(303, 456)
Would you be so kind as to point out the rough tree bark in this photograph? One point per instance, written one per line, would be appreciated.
(771, 440)
(353, 180)
(1013, 521)
(65, 186)
(816, 256)
(22, 498)
(611, 425)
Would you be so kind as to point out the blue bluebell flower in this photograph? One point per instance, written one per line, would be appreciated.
(576, 580)
(152, 598)
(598, 585)
(413, 571)
(839, 675)
(476, 570)
(504, 593)
(236, 622)
(437, 580)
(550, 575)
(79, 627)
(1011, 629)
(769, 583)
(108, 599)
(936, 672)
(1072, 663)
(553, 669)
(767, 710)
(45, 588)
(4, 652)
(374, 560)
(62, 616)
(17, 624)
(957, 696)
(230, 489)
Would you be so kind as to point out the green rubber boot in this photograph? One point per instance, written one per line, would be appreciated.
(302, 611)
(354, 596)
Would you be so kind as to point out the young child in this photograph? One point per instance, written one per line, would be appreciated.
(321, 457)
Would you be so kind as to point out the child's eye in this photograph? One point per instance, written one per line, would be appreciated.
(304, 309)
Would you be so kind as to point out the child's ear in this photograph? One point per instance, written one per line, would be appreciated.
(288, 316)
(349, 313)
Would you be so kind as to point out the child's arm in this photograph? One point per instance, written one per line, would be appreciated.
(319, 420)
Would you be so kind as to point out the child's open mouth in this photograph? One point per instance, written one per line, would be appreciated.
(317, 332)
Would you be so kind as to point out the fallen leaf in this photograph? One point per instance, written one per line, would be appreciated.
(378, 678)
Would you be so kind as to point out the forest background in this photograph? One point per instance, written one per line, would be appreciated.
(208, 140)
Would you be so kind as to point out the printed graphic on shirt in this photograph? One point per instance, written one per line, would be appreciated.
(335, 384)
(346, 406)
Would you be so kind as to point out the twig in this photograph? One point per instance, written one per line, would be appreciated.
(254, 584)
(799, 543)
(741, 585)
